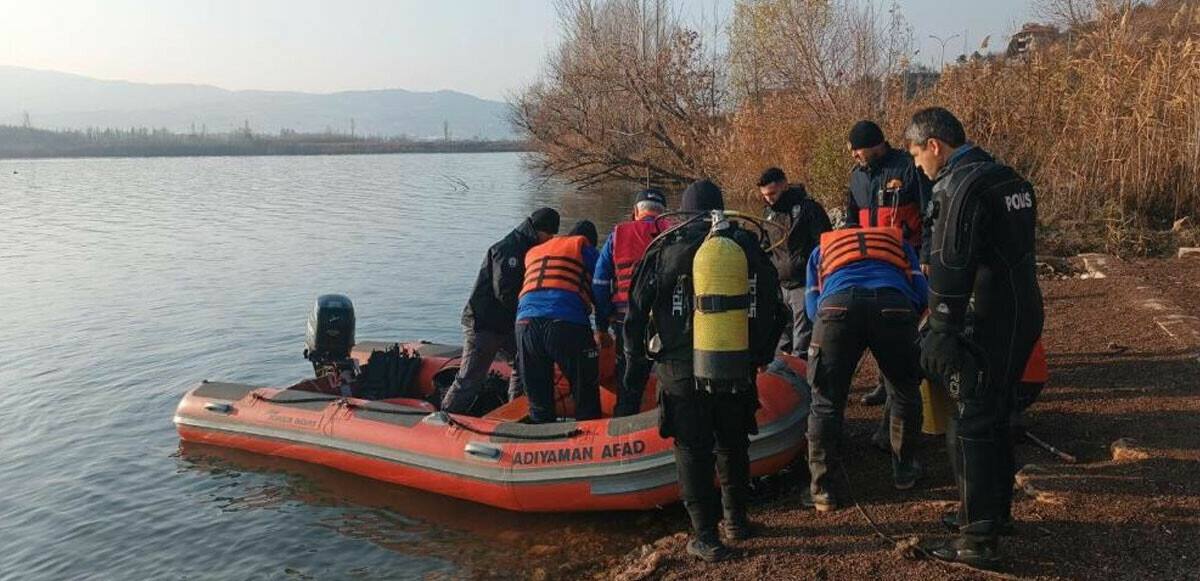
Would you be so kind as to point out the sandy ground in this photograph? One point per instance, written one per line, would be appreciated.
(1133, 514)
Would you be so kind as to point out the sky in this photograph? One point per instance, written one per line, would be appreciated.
(488, 48)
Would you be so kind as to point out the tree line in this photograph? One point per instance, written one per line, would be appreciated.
(1102, 114)
(29, 142)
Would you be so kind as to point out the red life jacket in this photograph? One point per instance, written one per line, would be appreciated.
(630, 240)
(558, 263)
(906, 217)
(849, 245)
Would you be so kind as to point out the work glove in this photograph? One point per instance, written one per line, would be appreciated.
(942, 354)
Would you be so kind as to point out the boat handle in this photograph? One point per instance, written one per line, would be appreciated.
(218, 408)
(482, 451)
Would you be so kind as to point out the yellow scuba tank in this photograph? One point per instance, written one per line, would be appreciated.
(721, 323)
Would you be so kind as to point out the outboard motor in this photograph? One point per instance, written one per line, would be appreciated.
(330, 338)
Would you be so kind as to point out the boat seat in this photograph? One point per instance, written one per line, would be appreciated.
(513, 411)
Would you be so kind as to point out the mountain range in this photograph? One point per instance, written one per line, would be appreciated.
(54, 100)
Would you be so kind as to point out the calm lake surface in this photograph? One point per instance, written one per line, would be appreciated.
(124, 282)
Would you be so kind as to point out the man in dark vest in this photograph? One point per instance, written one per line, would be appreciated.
(865, 291)
(803, 220)
(491, 311)
(984, 248)
(614, 275)
(710, 423)
(886, 189)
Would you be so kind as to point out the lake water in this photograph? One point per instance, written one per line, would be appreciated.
(124, 282)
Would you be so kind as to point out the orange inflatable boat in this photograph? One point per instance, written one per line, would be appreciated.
(604, 464)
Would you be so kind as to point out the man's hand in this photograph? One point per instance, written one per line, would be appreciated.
(925, 270)
(941, 354)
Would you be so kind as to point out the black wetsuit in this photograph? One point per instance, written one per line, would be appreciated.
(708, 428)
(983, 246)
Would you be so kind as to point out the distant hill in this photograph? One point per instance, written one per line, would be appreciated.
(64, 101)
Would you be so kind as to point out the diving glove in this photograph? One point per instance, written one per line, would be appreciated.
(942, 353)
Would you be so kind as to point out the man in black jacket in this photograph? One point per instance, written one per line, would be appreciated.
(804, 220)
(886, 189)
(983, 247)
(710, 425)
(490, 315)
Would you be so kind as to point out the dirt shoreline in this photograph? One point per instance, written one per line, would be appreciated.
(1133, 514)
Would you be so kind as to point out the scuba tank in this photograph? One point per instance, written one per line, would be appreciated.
(721, 321)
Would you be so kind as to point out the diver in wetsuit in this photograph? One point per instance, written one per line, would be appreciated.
(709, 421)
(983, 246)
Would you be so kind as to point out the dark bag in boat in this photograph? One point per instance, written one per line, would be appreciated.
(389, 373)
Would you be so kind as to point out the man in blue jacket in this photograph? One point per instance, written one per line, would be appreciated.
(554, 326)
(621, 254)
(865, 291)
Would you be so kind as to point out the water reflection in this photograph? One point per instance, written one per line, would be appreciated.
(480, 540)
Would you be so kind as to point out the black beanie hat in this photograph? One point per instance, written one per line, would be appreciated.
(545, 220)
(586, 229)
(702, 196)
(865, 134)
(651, 195)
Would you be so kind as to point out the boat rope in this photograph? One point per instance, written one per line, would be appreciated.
(534, 437)
(343, 402)
(262, 397)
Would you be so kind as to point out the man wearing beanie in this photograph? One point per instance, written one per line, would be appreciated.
(614, 272)
(803, 220)
(886, 189)
(553, 325)
(710, 424)
(491, 311)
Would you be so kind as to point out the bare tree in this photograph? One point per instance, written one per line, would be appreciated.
(630, 93)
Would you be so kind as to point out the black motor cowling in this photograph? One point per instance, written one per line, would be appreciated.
(330, 335)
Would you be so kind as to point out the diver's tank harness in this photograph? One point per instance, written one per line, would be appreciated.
(723, 305)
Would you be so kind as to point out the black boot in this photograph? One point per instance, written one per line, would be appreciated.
(977, 547)
(877, 396)
(705, 543)
(906, 475)
(821, 456)
(950, 520)
(708, 547)
(737, 525)
(733, 468)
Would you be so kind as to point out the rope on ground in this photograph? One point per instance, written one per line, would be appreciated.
(912, 544)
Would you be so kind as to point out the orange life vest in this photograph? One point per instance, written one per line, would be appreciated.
(558, 263)
(850, 245)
